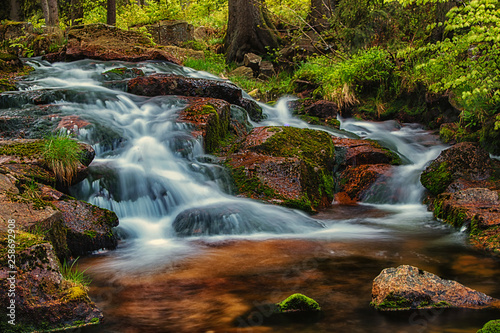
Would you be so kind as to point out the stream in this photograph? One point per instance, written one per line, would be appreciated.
(149, 169)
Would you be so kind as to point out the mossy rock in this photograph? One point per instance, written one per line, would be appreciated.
(493, 326)
(437, 179)
(297, 303)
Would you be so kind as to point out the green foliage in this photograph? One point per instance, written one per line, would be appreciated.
(466, 64)
(213, 63)
(62, 155)
(369, 72)
(71, 273)
(493, 326)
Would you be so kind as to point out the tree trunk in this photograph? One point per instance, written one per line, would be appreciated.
(14, 10)
(111, 13)
(76, 12)
(50, 12)
(321, 12)
(249, 29)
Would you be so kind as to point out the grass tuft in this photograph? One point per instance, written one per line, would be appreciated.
(62, 156)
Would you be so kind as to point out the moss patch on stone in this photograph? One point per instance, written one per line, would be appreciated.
(393, 301)
(298, 302)
(438, 179)
(32, 149)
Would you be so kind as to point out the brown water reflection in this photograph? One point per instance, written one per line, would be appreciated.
(227, 286)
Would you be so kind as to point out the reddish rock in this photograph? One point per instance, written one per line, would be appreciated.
(357, 152)
(169, 84)
(356, 180)
(211, 118)
(408, 287)
(72, 123)
(104, 42)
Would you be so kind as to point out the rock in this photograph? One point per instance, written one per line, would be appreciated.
(242, 71)
(122, 73)
(253, 61)
(493, 326)
(171, 32)
(355, 181)
(104, 42)
(285, 165)
(266, 70)
(212, 119)
(407, 287)
(13, 30)
(43, 298)
(316, 112)
(465, 186)
(166, 84)
(359, 164)
(298, 303)
(464, 161)
(72, 124)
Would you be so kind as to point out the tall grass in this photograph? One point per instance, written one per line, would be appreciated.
(62, 155)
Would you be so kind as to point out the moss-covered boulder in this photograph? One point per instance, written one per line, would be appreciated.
(408, 287)
(285, 165)
(32, 281)
(493, 326)
(297, 303)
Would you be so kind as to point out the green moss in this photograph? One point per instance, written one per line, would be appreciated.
(392, 301)
(493, 326)
(75, 293)
(6, 85)
(298, 302)
(33, 149)
(438, 179)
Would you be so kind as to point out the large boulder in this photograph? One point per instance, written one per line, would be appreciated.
(104, 42)
(464, 187)
(169, 84)
(285, 165)
(408, 287)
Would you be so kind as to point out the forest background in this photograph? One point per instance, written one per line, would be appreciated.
(431, 61)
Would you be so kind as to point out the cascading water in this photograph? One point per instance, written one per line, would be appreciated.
(156, 177)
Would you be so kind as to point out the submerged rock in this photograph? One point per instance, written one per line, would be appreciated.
(408, 287)
(169, 84)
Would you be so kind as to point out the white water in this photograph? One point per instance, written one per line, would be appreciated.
(150, 170)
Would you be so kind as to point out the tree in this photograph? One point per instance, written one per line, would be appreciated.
(321, 13)
(111, 12)
(249, 29)
(76, 9)
(50, 12)
(14, 10)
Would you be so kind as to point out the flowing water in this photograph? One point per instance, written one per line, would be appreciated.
(235, 257)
